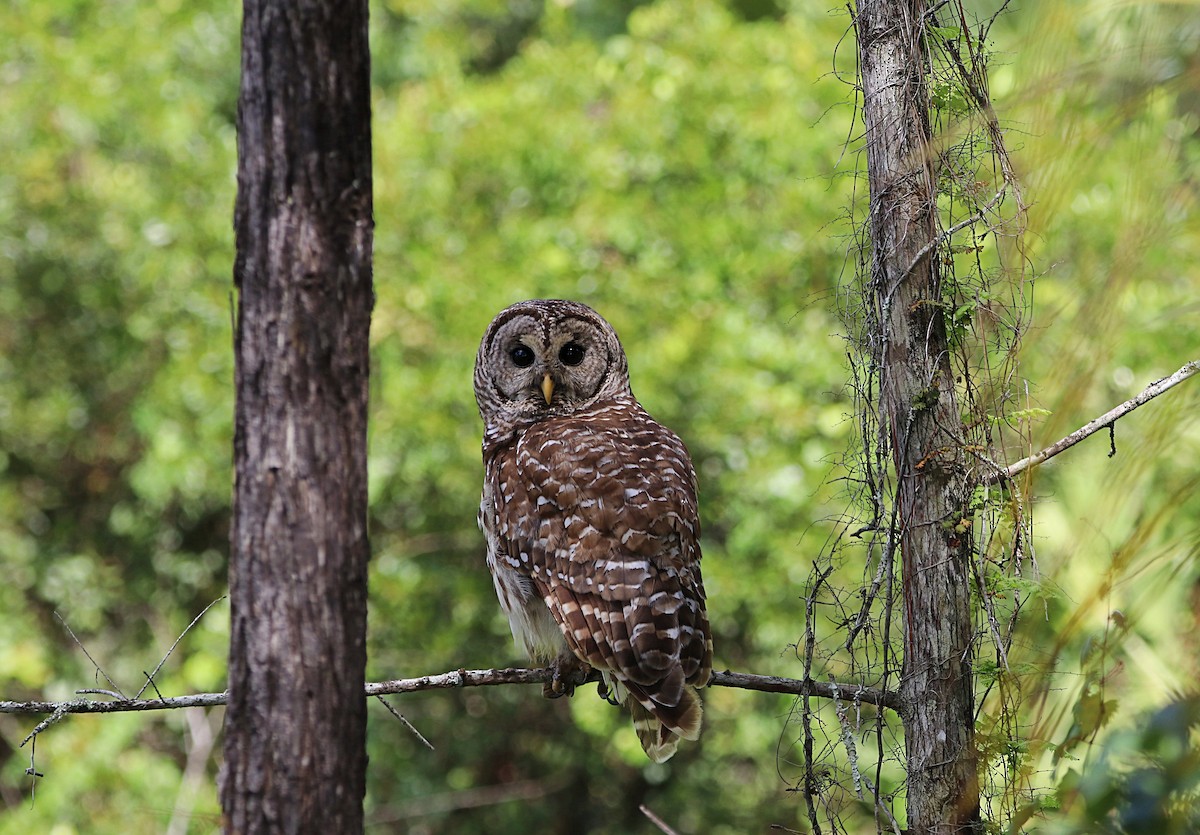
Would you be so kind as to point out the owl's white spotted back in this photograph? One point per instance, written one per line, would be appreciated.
(589, 510)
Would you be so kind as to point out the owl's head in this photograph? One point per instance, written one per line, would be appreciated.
(547, 357)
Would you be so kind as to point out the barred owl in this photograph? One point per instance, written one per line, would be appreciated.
(589, 510)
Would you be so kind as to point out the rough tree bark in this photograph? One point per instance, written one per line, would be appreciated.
(920, 409)
(295, 730)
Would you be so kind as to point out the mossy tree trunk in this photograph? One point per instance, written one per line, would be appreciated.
(920, 409)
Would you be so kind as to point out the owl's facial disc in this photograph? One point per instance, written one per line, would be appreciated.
(547, 357)
(550, 364)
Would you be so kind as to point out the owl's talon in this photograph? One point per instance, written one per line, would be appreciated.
(555, 689)
(606, 693)
(565, 670)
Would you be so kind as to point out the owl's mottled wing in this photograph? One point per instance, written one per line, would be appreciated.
(606, 526)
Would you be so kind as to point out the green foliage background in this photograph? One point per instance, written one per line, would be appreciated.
(686, 167)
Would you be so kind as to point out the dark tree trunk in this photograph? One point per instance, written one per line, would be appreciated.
(919, 405)
(295, 753)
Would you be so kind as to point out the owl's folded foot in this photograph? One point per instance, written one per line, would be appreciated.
(569, 672)
(609, 694)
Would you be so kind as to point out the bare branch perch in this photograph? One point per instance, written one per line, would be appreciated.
(744, 681)
(462, 678)
(1106, 419)
(117, 706)
(470, 678)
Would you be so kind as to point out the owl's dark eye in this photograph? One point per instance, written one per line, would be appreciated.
(571, 353)
(522, 356)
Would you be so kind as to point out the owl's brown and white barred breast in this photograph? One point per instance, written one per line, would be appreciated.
(589, 509)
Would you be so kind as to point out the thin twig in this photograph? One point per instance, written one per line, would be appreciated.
(851, 749)
(949, 233)
(56, 715)
(810, 643)
(985, 598)
(405, 722)
(33, 772)
(656, 820)
(75, 638)
(881, 806)
(195, 620)
(100, 691)
(1106, 419)
(149, 680)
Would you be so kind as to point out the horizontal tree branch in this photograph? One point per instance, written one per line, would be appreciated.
(467, 678)
(796, 687)
(1106, 419)
(115, 706)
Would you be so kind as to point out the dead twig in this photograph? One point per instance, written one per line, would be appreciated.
(195, 620)
(1106, 419)
(656, 820)
(405, 722)
(75, 638)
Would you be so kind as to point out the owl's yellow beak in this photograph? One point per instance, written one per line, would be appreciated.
(547, 388)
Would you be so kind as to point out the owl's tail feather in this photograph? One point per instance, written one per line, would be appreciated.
(658, 741)
(660, 729)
